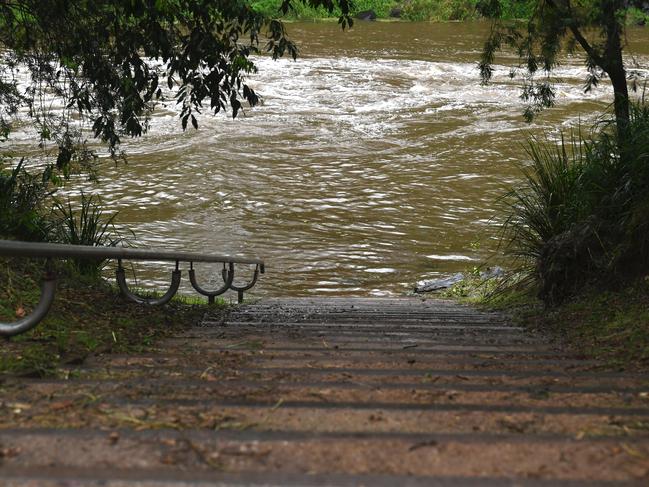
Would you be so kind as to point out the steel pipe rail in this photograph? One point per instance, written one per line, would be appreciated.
(245, 287)
(228, 276)
(11, 248)
(120, 275)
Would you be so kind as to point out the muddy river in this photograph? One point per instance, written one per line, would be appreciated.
(375, 161)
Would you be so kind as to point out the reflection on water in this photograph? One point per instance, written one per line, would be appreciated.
(374, 161)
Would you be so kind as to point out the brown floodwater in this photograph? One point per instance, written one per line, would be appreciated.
(375, 161)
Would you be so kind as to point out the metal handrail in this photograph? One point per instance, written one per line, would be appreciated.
(12, 248)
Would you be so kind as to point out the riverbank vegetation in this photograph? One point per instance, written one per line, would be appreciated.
(410, 10)
(87, 317)
(576, 226)
(306, 11)
(30, 210)
(579, 216)
(609, 324)
(422, 10)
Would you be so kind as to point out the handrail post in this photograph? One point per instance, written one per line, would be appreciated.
(228, 276)
(241, 289)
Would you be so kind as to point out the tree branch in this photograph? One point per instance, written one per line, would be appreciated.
(583, 42)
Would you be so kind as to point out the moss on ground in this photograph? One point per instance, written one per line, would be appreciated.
(88, 317)
(612, 326)
(608, 325)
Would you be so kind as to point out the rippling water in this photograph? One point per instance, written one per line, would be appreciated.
(374, 161)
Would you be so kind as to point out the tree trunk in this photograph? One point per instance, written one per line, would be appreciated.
(614, 64)
(610, 59)
(621, 101)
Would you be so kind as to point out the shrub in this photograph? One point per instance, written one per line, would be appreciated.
(22, 197)
(90, 225)
(29, 211)
(518, 9)
(301, 11)
(579, 215)
(636, 16)
(418, 10)
(271, 8)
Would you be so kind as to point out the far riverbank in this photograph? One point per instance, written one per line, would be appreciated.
(416, 10)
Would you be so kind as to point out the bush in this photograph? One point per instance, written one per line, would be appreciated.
(270, 8)
(382, 8)
(418, 10)
(579, 216)
(22, 198)
(301, 11)
(89, 225)
(635, 16)
(29, 211)
(517, 9)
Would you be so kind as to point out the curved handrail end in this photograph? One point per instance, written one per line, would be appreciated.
(120, 276)
(48, 288)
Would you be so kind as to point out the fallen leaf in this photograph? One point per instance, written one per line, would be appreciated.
(18, 407)
(632, 451)
(9, 452)
(422, 444)
(20, 312)
(58, 406)
(168, 459)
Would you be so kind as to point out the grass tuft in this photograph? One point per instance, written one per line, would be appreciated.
(579, 216)
(89, 224)
(88, 317)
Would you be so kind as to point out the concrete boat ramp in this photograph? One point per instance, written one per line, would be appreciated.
(332, 392)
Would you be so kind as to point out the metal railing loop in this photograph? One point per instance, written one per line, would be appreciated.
(228, 276)
(241, 289)
(120, 275)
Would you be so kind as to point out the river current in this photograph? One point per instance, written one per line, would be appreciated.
(375, 160)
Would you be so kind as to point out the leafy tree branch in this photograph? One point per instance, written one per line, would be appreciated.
(110, 62)
(561, 25)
